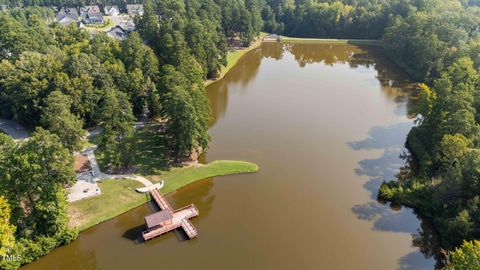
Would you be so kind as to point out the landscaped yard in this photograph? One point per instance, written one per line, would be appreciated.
(109, 23)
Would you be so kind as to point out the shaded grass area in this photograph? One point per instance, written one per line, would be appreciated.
(148, 149)
(339, 41)
(150, 153)
(118, 196)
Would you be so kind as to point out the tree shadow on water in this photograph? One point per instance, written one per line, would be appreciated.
(414, 261)
(427, 241)
(379, 169)
(385, 218)
(392, 136)
(384, 168)
(393, 218)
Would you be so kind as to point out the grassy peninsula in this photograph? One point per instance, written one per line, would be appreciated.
(119, 195)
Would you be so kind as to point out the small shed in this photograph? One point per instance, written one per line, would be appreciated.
(159, 219)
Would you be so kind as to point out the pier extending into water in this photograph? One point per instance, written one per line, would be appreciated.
(167, 220)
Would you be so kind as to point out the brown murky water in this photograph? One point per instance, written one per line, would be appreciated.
(326, 123)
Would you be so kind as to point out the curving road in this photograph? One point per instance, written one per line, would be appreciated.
(13, 129)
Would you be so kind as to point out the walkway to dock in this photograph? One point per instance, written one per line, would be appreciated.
(180, 218)
(160, 200)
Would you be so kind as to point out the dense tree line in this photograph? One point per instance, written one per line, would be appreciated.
(33, 176)
(57, 81)
(333, 19)
(438, 44)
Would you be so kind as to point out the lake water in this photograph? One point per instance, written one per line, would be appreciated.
(326, 123)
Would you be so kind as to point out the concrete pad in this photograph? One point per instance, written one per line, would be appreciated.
(83, 189)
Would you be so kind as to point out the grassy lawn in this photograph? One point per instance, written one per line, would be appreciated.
(340, 41)
(149, 147)
(179, 177)
(118, 196)
(109, 23)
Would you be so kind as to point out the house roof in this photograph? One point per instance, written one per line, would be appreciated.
(109, 8)
(90, 9)
(158, 218)
(66, 21)
(116, 32)
(135, 9)
(95, 15)
(127, 26)
(70, 13)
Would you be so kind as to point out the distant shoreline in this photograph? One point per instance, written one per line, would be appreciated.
(375, 42)
(234, 56)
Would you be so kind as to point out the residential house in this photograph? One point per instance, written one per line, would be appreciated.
(3, 7)
(67, 16)
(112, 10)
(133, 10)
(91, 15)
(117, 32)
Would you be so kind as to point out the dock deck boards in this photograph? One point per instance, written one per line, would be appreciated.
(160, 200)
(188, 228)
(180, 218)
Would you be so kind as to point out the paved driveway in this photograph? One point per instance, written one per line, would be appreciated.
(12, 128)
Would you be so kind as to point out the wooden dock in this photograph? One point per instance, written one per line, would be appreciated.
(160, 200)
(180, 218)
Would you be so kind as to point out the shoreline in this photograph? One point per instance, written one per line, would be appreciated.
(234, 56)
(373, 42)
(119, 195)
